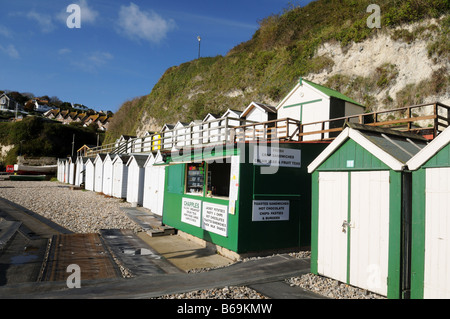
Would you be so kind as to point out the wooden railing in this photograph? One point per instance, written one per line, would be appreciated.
(426, 119)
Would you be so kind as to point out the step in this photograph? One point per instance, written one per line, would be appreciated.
(7, 230)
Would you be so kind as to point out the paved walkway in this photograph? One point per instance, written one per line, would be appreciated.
(266, 275)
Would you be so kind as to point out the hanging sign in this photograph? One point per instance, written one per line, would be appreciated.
(276, 156)
(270, 210)
(191, 211)
(215, 219)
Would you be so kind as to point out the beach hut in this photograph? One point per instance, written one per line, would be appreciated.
(89, 175)
(210, 133)
(243, 197)
(196, 132)
(108, 174)
(259, 112)
(181, 134)
(154, 180)
(61, 169)
(309, 102)
(359, 187)
(430, 247)
(80, 170)
(167, 136)
(98, 172)
(72, 169)
(135, 181)
(120, 176)
(66, 171)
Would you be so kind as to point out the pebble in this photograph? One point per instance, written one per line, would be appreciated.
(83, 211)
(79, 211)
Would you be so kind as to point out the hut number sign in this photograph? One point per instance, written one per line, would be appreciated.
(270, 210)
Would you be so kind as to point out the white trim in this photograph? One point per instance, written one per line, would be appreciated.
(150, 160)
(388, 159)
(359, 138)
(430, 150)
(98, 158)
(325, 96)
(340, 139)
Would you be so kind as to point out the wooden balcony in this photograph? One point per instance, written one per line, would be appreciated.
(425, 119)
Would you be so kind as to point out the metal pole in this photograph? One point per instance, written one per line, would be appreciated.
(73, 144)
(199, 40)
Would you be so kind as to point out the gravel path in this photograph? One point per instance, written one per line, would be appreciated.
(87, 212)
(77, 210)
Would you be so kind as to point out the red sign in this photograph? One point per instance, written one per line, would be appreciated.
(9, 168)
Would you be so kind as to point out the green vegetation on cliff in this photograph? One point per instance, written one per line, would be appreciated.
(265, 68)
(37, 136)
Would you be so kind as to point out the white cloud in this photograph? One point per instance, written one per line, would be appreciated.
(4, 31)
(43, 20)
(64, 51)
(10, 50)
(88, 14)
(93, 61)
(143, 25)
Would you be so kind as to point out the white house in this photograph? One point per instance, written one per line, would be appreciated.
(108, 174)
(98, 164)
(154, 186)
(7, 103)
(231, 118)
(124, 142)
(89, 175)
(210, 134)
(71, 171)
(196, 127)
(120, 176)
(180, 134)
(167, 136)
(309, 102)
(135, 186)
(80, 170)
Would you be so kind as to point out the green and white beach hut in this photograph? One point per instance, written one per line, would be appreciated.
(359, 187)
(430, 248)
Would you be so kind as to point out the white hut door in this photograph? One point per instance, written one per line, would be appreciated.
(437, 229)
(369, 230)
(333, 211)
(160, 190)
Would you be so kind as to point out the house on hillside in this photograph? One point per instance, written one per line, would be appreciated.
(8, 103)
(52, 114)
(309, 102)
(62, 115)
(103, 122)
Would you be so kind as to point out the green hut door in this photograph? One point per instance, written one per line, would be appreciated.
(353, 234)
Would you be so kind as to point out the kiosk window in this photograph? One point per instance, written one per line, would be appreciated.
(218, 179)
(195, 178)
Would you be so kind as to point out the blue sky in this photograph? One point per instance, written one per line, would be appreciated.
(122, 47)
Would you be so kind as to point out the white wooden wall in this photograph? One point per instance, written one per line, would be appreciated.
(107, 176)
(90, 176)
(368, 243)
(120, 180)
(437, 230)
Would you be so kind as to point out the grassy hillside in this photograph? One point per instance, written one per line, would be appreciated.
(266, 67)
(42, 137)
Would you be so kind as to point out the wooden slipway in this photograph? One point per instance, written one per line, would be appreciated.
(83, 250)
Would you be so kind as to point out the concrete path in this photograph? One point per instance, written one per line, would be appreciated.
(255, 273)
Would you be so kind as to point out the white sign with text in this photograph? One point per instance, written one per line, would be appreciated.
(270, 210)
(191, 211)
(215, 218)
